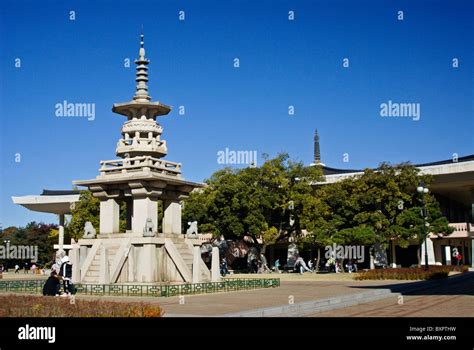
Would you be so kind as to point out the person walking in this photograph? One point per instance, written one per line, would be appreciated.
(277, 265)
(458, 258)
(17, 268)
(224, 270)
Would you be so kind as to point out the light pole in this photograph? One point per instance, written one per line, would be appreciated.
(423, 190)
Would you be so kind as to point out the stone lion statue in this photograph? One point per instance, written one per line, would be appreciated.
(148, 230)
(192, 230)
(89, 230)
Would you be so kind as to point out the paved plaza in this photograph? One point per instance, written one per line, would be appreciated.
(450, 298)
(453, 297)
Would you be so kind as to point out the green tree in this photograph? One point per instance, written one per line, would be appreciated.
(86, 209)
(263, 202)
(411, 221)
(379, 206)
(33, 234)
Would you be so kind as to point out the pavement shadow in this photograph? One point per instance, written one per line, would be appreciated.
(455, 285)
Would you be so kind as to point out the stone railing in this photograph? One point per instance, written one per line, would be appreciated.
(141, 146)
(461, 226)
(139, 163)
(146, 290)
(141, 142)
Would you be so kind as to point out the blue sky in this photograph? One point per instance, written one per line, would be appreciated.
(282, 63)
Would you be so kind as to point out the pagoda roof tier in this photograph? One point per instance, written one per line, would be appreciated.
(141, 183)
(134, 109)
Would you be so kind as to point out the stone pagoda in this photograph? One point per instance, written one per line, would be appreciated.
(140, 179)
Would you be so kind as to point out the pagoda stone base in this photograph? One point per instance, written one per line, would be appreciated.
(131, 258)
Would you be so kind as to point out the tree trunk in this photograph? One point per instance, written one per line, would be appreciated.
(372, 258)
(316, 268)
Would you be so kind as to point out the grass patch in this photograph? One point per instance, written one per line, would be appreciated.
(419, 273)
(12, 305)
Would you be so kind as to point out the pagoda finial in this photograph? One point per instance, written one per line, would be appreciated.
(141, 94)
(317, 152)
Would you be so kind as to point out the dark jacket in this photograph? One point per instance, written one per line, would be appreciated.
(51, 287)
(66, 270)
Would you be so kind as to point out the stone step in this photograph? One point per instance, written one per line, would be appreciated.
(92, 273)
(184, 251)
(90, 280)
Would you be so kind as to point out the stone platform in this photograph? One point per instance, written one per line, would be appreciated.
(131, 258)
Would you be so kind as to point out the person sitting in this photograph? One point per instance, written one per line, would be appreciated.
(52, 285)
(301, 265)
(350, 267)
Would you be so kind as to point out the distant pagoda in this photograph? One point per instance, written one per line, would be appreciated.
(317, 150)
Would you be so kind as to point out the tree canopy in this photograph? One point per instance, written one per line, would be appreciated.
(33, 234)
(282, 197)
(265, 202)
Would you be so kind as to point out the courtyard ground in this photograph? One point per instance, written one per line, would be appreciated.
(290, 292)
(447, 298)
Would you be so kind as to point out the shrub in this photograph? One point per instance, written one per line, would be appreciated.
(12, 305)
(418, 273)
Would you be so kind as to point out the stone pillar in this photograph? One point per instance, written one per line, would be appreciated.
(471, 226)
(61, 232)
(76, 263)
(472, 206)
(196, 264)
(171, 217)
(109, 216)
(447, 253)
(143, 209)
(83, 250)
(131, 265)
(215, 271)
(431, 259)
(104, 277)
(438, 254)
(147, 268)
